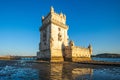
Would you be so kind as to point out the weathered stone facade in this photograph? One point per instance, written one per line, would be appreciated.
(75, 53)
(54, 40)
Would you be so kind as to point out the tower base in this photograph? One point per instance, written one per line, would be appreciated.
(56, 59)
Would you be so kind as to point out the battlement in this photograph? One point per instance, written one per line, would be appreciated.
(53, 16)
(54, 41)
(77, 53)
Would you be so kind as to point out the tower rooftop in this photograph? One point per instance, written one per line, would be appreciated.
(55, 18)
(60, 17)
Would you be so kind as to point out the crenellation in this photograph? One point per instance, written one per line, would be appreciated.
(53, 16)
(54, 41)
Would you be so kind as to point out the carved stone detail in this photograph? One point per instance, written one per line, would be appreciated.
(59, 37)
(71, 43)
(51, 42)
(44, 36)
(54, 40)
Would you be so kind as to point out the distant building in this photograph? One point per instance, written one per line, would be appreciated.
(54, 41)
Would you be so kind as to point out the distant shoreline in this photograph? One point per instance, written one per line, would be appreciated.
(104, 57)
(107, 55)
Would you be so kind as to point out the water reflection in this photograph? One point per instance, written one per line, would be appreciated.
(68, 72)
(56, 71)
(82, 74)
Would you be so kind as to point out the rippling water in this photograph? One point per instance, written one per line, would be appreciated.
(17, 70)
(22, 70)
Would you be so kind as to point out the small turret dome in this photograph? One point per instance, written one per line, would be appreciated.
(71, 43)
(51, 9)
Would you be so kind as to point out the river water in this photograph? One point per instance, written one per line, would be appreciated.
(107, 59)
(23, 70)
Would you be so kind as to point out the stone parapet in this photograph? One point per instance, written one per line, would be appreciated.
(80, 52)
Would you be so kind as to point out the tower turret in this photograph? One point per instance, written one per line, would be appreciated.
(51, 9)
(71, 43)
(90, 48)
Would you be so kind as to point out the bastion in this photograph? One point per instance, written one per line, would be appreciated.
(54, 43)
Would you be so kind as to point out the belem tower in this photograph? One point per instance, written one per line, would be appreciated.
(54, 43)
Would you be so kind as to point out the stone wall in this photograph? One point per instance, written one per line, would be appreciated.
(59, 39)
(76, 54)
(80, 52)
(54, 40)
(53, 36)
(56, 55)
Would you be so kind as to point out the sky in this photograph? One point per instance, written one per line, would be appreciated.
(95, 22)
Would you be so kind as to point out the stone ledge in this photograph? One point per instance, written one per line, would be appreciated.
(79, 59)
(57, 59)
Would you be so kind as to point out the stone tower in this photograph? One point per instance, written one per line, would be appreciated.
(53, 36)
